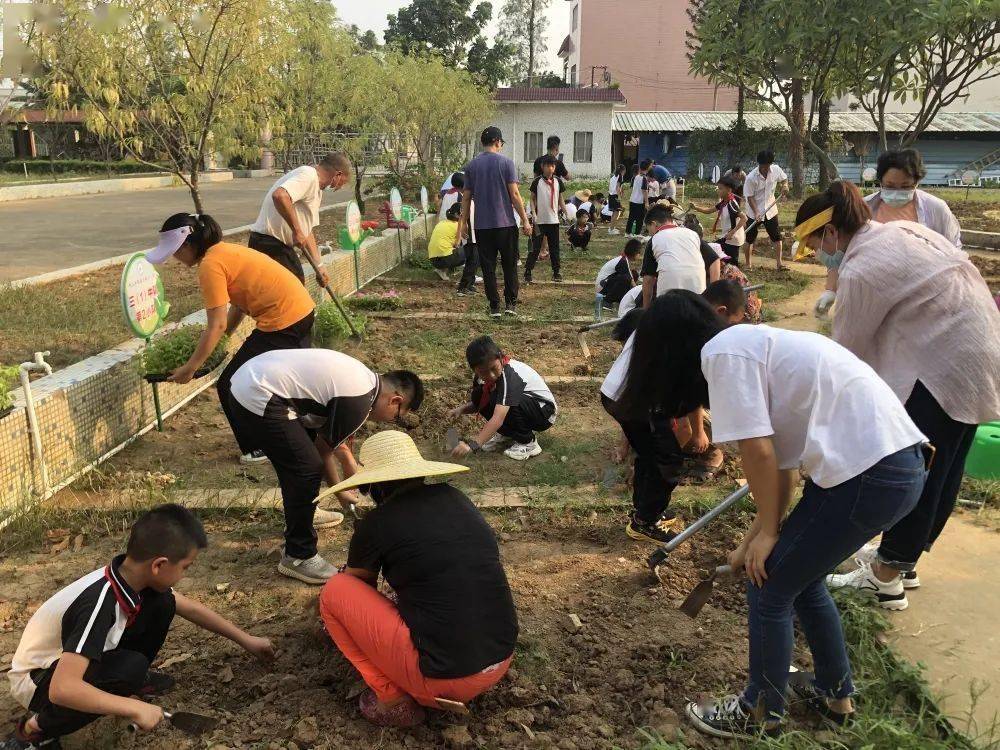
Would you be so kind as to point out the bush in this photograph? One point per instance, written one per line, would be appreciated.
(330, 326)
(40, 166)
(171, 350)
(390, 300)
(8, 378)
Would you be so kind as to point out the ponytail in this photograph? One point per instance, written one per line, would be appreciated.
(206, 233)
(850, 212)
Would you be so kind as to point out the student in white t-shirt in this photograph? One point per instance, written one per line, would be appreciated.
(673, 257)
(290, 212)
(832, 417)
(616, 187)
(758, 190)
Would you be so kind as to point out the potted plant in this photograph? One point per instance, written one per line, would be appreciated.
(167, 352)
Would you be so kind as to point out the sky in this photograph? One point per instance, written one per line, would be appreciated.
(370, 14)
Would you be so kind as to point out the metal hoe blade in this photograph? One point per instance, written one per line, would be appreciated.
(451, 439)
(701, 593)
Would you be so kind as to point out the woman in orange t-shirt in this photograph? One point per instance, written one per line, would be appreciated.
(236, 281)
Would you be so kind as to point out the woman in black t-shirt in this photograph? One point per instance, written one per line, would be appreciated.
(451, 636)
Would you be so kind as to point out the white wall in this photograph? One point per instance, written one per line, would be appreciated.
(983, 96)
(562, 120)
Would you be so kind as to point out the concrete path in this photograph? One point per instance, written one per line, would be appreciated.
(951, 625)
(48, 234)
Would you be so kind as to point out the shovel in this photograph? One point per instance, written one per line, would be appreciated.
(185, 721)
(336, 300)
(351, 508)
(701, 593)
(658, 558)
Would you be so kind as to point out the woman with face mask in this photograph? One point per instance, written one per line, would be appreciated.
(899, 173)
(915, 308)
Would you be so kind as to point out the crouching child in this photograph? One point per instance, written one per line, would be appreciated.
(512, 398)
(86, 652)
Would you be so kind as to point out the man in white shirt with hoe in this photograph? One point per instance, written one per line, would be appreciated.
(762, 206)
(290, 212)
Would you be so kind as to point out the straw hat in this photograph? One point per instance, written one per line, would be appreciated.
(583, 195)
(391, 455)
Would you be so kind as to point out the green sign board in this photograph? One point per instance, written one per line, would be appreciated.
(143, 300)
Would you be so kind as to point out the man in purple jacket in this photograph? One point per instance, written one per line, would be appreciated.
(491, 181)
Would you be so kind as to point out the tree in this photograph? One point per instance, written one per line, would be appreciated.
(930, 55)
(366, 40)
(787, 52)
(170, 80)
(454, 30)
(523, 27)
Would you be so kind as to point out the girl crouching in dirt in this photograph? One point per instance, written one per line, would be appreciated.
(686, 356)
(452, 635)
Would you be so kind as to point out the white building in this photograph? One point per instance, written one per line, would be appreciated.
(580, 117)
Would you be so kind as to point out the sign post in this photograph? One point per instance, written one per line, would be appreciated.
(145, 307)
(396, 208)
(716, 174)
(970, 177)
(424, 206)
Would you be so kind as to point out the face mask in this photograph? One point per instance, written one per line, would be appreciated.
(831, 261)
(897, 198)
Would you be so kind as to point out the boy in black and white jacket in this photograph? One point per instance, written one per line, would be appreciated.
(512, 398)
(86, 652)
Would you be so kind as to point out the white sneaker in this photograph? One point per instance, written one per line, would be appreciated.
(442, 274)
(254, 457)
(314, 570)
(890, 595)
(869, 554)
(479, 279)
(614, 232)
(327, 519)
(523, 451)
(496, 443)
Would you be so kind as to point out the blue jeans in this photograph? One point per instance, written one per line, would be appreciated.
(825, 527)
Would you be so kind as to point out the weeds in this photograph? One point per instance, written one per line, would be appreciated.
(332, 327)
(169, 351)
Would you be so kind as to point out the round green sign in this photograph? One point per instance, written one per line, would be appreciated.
(143, 300)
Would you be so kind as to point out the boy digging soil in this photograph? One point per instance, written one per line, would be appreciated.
(86, 651)
(511, 397)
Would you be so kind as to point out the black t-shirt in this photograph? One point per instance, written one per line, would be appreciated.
(441, 558)
(561, 172)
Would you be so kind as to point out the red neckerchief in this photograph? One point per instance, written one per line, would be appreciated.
(130, 612)
(551, 182)
(719, 208)
(451, 191)
(490, 385)
(668, 225)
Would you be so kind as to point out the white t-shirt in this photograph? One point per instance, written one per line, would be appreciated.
(606, 211)
(631, 300)
(826, 410)
(547, 200)
(639, 184)
(302, 186)
(614, 383)
(761, 189)
(587, 206)
(726, 223)
(613, 185)
(668, 189)
(679, 264)
(606, 270)
(654, 189)
(448, 200)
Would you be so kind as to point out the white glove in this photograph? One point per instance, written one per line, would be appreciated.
(824, 303)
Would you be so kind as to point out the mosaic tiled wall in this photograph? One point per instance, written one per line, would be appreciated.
(90, 408)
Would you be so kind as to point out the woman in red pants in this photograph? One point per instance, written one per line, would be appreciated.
(452, 635)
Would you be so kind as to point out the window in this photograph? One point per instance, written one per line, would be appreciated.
(572, 76)
(576, 17)
(583, 147)
(532, 146)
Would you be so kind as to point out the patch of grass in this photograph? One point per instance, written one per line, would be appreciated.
(985, 492)
(532, 658)
(331, 327)
(778, 285)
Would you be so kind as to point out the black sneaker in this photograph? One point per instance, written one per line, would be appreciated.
(495, 313)
(802, 688)
(728, 717)
(157, 683)
(647, 532)
(465, 292)
(527, 278)
(557, 278)
(510, 310)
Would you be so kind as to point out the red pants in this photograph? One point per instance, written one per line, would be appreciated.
(368, 630)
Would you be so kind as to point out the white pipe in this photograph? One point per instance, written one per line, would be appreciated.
(37, 365)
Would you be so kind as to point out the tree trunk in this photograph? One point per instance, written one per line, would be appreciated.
(359, 175)
(195, 191)
(796, 139)
(823, 141)
(531, 44)
(741, 104)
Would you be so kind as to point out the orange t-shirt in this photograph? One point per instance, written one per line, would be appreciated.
(260, 286)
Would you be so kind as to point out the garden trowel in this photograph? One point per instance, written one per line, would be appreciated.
(701, 593)
(451, 439)
(188, 722)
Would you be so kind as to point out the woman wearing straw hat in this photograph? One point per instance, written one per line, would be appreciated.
(452, 635)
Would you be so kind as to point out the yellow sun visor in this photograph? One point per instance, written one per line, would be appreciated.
(813, 223)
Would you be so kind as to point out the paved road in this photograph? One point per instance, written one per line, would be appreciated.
(48, 234)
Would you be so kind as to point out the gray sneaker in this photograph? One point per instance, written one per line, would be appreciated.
(327, 519)
(314, 570)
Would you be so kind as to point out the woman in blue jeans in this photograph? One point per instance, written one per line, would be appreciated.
(800, 401)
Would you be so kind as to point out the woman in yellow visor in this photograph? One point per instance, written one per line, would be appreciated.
(915, 308)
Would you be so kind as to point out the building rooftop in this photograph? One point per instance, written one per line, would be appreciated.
(568, 94)
(840, 122)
